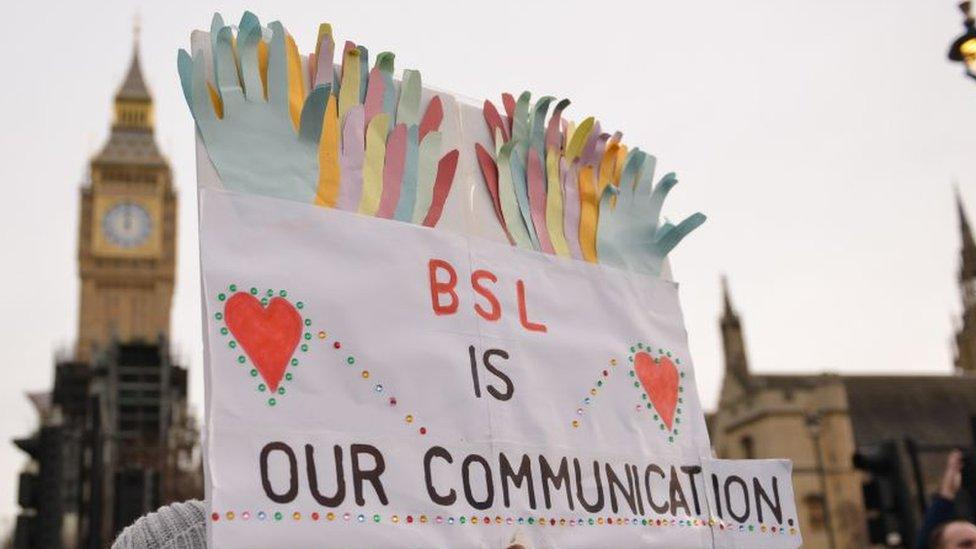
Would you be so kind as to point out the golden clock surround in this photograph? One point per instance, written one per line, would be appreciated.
(103, 246)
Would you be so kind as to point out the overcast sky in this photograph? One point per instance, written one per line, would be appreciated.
(821, 138)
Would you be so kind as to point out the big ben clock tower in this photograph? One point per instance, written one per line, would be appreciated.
(115, 438)
(127, 233)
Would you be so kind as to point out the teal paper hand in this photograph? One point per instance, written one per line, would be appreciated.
(252, 139)
(628, 235)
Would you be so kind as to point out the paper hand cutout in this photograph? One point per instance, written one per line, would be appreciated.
(628, 234)
(250, 134)
(575, 191)
(346, 143)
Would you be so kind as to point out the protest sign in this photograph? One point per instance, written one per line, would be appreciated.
(385, 370)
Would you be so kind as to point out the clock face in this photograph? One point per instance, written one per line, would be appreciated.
(127, 225)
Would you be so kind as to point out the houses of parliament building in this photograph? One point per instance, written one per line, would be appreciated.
(867, 450)
(115, 438)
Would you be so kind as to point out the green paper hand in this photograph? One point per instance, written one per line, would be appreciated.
(252, 139)
(628, 235)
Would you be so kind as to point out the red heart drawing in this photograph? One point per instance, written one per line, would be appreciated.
(268, 335)
(660, 380)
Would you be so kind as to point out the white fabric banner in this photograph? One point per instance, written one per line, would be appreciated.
(372, 383)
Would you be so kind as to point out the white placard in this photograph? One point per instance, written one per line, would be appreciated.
(378, 384)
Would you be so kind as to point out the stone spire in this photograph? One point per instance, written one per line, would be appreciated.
(967, 267)
(134, 85)
(733, 343)
(966, 336)
(131, 140)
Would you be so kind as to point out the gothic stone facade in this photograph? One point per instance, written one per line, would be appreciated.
(822, 421)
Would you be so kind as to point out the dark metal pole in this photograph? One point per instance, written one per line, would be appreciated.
(814, 425)
(916, 473)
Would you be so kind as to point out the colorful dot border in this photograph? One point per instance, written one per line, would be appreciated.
(377, 387)
(242, 358)
(645, 399)
(362, 517)
(592, 393)
(309, 334)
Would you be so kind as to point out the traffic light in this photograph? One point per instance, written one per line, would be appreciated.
(39, 491)
(886, 497)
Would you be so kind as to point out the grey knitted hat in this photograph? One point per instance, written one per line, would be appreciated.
(178, 526)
